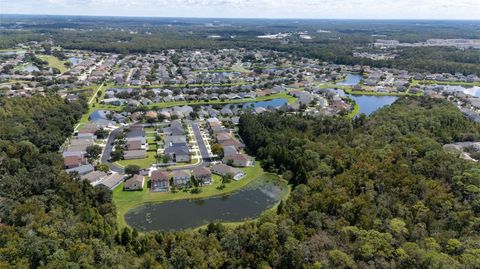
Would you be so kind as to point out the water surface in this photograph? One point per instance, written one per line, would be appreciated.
(245, 204)
(351, 80)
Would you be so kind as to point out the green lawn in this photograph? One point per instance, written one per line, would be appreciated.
(354, 111)
(54, 62)
(125, 201)
(143, 163)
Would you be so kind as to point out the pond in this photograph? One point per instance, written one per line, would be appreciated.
(247, 203)
(369, 103)
(98, 115)
(351, 80)
(277, 102)
(30, 68)
(75, 60)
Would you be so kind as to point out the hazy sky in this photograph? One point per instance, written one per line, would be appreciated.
(352, 9)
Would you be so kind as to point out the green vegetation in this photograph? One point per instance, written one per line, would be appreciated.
(143, 163)
(126, 200)
(354, 111)
(374, 191)
(54, 62)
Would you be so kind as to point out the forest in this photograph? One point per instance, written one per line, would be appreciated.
(373, 192)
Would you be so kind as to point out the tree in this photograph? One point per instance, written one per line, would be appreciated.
(132, 169)
(103, 167)
(94, 151)
(217, 149)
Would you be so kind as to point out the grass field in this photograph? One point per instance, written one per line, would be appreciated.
(125, 201)
(54, 62)
(143, 163)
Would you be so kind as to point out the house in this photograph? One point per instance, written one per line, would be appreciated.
(232, 142)
(229, 151)
(221, 137)
(160, 181)
(133, 145)
(225, 170)
(81, 170)
(237, 160)
(202, 174)
(94, 177)
(135, 154)
(174, 140)
(73, 161)
(134, 183)
(175, 128)
(180, 177)
(178, 153)
(112, 181)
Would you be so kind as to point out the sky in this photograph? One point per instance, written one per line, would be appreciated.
(312, 9)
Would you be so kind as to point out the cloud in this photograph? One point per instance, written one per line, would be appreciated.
(360, 9)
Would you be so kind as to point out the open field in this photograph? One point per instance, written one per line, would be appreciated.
(54, 62)
(125, 201)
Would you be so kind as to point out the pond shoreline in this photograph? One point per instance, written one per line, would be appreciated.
(179, 214)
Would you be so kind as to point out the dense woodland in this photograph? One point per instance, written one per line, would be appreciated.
(374, 192)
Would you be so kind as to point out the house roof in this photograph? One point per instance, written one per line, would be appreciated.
(180, 173)
(225, 169)
(112, 180)
(160, 175)
(134, 144)
(131, 181)
(177, 150)
(72, 160)
(82, 170)
(201, 171)
(94, 176)
(134, 153)
(236, 157)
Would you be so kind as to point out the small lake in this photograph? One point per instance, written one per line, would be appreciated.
(369, 103)
(242, 205)
(277, 102)
(75, 60)
(30, 68)
(98, 115)
(351, 80)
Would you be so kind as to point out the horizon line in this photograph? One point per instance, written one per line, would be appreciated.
(240, 18)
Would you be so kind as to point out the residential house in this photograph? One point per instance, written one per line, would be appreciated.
(160, 180)
(202, 174)
(134, 183)
(135, 154)
(237, 160)
(73, 161)
(178, 153)
(225, 170)
(180, 177)
(82, 169)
